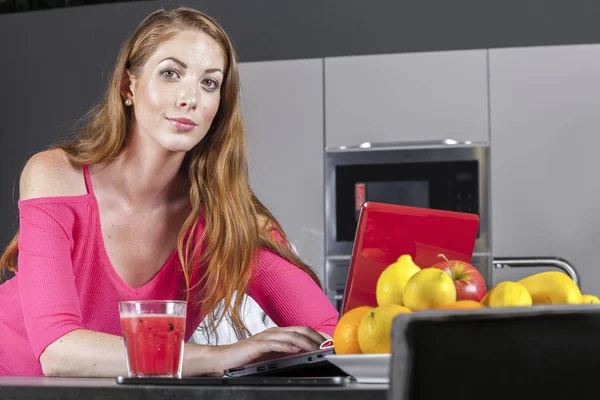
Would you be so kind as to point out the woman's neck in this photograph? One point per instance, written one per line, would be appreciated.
(146, 176)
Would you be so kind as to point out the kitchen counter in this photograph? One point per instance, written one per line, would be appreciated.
(24, 388)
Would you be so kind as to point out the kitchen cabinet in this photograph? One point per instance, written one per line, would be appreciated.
(545, 119)
(406, 97)
(282, 103)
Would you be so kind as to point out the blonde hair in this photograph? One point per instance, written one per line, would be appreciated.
(217, 170)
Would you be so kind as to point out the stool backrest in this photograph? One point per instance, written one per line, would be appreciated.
(544, 351)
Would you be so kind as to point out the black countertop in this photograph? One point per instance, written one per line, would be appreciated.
(23, 388)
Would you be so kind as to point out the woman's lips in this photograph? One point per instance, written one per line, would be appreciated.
(182, 124)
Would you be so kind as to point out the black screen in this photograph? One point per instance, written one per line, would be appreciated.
(451, 186)
(412, 193)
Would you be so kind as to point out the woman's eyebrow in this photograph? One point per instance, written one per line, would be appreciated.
(184, 65)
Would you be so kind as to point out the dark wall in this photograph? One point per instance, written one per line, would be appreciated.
(367, 27)
(54, 64)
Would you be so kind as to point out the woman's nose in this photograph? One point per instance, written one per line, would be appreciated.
(188, 100)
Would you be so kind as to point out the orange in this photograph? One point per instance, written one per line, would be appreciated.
(345, 336)
(375, 329)
(463, 305)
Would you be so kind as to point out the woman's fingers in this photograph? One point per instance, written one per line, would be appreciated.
(262, 350)
(251, 350)
(310, 333)
(291, 337)
(273, 341)
(278, 346)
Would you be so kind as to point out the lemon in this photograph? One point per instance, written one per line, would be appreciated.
(508, 294)
(391, 282)
(375, 329)
(590, 299)
(552, 287)
(429, 288)
(486, 299)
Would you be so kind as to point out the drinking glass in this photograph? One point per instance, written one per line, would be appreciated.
(153, 331)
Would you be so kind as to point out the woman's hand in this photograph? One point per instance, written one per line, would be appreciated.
(269, 343)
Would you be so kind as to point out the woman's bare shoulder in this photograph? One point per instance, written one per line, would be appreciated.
(50, 174)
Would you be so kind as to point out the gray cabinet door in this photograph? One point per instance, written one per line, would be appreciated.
(545, 124)
(406, 97)
(282, 102)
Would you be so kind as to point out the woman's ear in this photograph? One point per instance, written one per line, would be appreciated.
(127, 85)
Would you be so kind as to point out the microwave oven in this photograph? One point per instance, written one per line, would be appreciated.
(446, 175)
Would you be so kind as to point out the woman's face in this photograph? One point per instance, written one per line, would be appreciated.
(176, 94)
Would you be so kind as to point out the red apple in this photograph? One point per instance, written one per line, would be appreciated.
(468, 281)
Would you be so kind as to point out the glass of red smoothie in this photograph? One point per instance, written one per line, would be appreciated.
(153, 331)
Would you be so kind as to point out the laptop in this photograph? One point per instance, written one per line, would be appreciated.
(384, 233)
(387, 231)
(305, 364)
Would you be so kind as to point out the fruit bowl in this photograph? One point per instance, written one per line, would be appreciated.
(365, 368)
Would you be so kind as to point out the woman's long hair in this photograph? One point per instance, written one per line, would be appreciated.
(220, 195)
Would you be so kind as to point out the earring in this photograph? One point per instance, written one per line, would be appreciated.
(128, 102)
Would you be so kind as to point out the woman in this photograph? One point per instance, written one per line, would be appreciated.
(151, 201)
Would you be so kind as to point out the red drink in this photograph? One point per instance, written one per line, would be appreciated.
(153, 342)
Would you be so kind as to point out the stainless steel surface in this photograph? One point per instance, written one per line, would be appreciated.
(336, 276)
(338, 253)
(392, 154)
(418, 144)
(557, 262)
(344, 257)
(483, 262)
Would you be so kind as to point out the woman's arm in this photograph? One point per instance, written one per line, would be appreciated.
(85, 353)
(95, 354)
(289, 295)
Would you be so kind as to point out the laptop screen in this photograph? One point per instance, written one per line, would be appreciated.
(387, 231)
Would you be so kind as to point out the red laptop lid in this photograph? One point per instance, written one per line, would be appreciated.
(387, 231)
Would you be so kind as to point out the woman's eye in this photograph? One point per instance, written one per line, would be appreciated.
(169, 74)
(210, 84)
